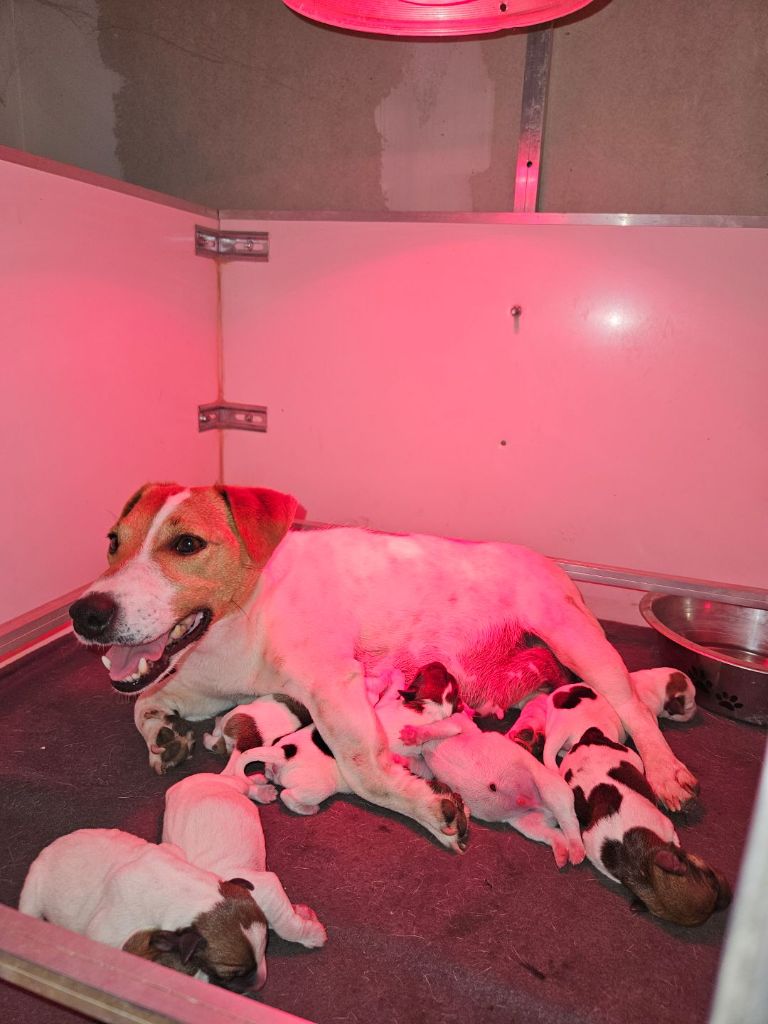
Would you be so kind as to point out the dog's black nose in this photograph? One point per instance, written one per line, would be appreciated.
(92, 615)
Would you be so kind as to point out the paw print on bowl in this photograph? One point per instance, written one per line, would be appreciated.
(730, 701)
(700, 679)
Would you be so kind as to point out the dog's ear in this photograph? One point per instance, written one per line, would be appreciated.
(242, 882)
(184, 941)
(261, 518)
(670, 862)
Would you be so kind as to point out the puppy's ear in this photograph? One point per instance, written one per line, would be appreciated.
(724, 891)
(243, 882)
(190, 941)
(669, 862)
(261, 518)
(140, 944)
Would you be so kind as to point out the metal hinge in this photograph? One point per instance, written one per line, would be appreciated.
(232, 416)
(232, 245)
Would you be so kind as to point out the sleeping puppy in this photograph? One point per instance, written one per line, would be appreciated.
(564, 715)
(149, 900)
(550, 723)
(304, 764)
(628, 838)
(257, 724)
(499, 781)
(211, 820)
(666, 692)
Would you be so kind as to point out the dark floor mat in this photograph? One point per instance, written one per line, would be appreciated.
(415, 934)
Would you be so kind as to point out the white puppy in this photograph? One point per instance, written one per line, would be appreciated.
(304, 764)
(210, 818)
(149, 900)
(500, 781)
(666, 692)
(257, 724)
(569, 712)
(627, 837)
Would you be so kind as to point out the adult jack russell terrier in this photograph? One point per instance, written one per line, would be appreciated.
(209, 601)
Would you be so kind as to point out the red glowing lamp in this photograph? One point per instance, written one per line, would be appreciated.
(424, 18)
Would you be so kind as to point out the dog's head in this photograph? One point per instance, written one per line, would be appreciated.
(674, 885)
(433, 684)
(226, 943)
(179, 560)
(679, 698)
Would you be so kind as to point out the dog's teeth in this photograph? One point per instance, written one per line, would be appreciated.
(143, 667)
(106, 662)
(177, 631)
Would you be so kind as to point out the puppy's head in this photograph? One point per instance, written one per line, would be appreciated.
(433, 685)
(679, 698)
(180, 559)
(226, 943)
(674, 885)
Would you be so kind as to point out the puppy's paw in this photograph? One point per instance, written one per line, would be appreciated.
(409, 736)
(262, 793)
(576, 851)
(172, 745)
(560, 850)
(315, 934)
(451, 817)
(672, 783)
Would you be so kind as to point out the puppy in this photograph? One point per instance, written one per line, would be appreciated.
(149, 900)
(568, 712)
(257, 724)
(499, 781)
(211, 820)
(304, 764)
(628, 838)
(666, 692)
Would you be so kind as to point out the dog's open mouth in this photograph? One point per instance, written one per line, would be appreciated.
(134, 666)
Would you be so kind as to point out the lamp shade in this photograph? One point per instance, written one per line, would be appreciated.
(424, 18)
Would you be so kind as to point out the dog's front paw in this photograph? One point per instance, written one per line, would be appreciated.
(315, 934)
(576, 851)
(672, 783)
(452, 818)
(172, 745)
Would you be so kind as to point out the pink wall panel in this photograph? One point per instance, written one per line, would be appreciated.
(631, 396)
(108, 326)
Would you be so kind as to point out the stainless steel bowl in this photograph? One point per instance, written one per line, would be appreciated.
(722, 647)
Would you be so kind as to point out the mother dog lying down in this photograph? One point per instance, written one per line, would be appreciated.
(209, 601)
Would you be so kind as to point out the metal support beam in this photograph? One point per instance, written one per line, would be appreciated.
(538, 55)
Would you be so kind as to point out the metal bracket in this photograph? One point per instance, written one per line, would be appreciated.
(538, 56)
(232, 416)
(232, 245)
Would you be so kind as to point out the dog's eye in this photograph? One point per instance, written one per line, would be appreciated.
(187, 544)
(113, 542)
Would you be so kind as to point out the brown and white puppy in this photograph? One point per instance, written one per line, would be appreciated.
(257, 724)
(149, 900)
(211, 820)
(209, 601)
(666, 692)
(630, 840)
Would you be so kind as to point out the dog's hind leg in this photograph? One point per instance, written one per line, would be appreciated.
(561, 619)
(538, 826)
(348, 724)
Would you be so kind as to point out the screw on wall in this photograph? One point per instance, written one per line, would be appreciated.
(516, 312)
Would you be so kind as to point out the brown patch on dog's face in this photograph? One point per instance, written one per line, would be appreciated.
(674, 885)
(235, 933)
(244, 732)
(676, 699)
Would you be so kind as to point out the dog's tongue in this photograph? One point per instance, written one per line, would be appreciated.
(124, 660)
